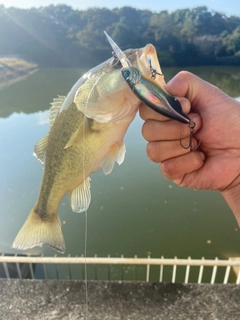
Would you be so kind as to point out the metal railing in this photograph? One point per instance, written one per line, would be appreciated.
(122, 269)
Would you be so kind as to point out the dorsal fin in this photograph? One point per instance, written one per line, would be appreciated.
(54, 110)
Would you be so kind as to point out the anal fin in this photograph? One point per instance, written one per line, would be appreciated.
(80, 197)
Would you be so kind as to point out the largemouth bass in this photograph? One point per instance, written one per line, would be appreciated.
(86, 133)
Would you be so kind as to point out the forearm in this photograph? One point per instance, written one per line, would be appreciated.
(232, 197)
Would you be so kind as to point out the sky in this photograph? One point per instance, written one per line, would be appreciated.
(228, 7)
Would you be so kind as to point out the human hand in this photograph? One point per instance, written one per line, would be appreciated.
(215, 165)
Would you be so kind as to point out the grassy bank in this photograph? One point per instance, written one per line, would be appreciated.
(14, 69)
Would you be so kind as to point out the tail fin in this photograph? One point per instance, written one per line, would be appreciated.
(36, 231)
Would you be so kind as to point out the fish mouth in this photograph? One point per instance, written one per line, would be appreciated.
(145, 59)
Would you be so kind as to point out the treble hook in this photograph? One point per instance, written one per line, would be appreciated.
(191, 127)
(153, 71)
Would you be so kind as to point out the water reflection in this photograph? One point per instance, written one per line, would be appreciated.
(133, 211)
(38, 90)
(226, 78)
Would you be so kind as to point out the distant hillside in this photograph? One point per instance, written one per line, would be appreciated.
(61, 36)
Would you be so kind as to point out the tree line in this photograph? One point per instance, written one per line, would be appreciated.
(61, 36)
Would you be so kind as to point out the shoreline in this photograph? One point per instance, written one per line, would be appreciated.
(13, 70)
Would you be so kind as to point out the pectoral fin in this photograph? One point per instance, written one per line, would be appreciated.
(81, 132)
(75, 137)
(121, 153)
(116, 154)
(40, 149)
(81, 196)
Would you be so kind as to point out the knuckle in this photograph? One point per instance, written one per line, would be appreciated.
(197, 159)
(185, 105)
(184, 133)
(152, 152)
(167, 169)
(146, 130)
(142, 112)
(184, 74)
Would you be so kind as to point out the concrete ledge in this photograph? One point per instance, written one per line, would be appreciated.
(51, 299)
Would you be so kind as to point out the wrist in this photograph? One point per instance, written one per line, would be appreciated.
(232, 197)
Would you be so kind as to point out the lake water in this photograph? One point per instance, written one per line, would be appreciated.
(134, 210)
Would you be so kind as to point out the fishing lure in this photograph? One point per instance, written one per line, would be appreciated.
(152, 94)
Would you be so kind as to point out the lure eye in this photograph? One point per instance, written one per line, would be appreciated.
(126, 74)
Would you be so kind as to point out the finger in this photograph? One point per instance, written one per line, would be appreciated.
(176, 168)
(147, 113)
(163, 150)
(153, 130)
(186, 84)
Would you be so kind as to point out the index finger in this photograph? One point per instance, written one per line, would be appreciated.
(199, 92)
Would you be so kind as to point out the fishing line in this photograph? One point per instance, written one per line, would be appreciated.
(86, 224)
(85, 268)
(85, 237)
(86, 220)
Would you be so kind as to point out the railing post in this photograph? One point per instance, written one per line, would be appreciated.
(148, 268)
(238, 277)
(109, 270)
(96, 269)
(122, 272)
(135, 269)
(187, 272)
(200, 272)
(69, 269)
(174, 271)
(214, 273)
(161, 271)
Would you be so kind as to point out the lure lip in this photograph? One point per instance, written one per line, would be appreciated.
(119, 53)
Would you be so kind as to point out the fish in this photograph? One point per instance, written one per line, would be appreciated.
(86, 131)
